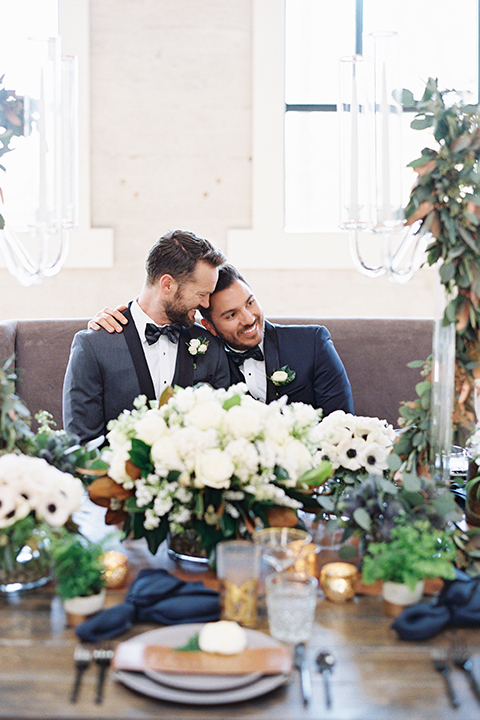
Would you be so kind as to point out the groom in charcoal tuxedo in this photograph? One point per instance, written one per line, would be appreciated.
(106, 372)
(257, 348)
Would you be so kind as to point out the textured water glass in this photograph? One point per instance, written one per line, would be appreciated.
(291, 600)
(238, 567)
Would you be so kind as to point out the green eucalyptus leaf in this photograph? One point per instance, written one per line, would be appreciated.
(421, 121)
(362, 518)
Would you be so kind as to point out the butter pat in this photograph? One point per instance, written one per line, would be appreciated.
(225, 637)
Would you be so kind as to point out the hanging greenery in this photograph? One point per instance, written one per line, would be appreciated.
(11, 125)
(445, 200)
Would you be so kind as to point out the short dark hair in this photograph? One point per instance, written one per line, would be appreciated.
(177, 253)
(227, 275)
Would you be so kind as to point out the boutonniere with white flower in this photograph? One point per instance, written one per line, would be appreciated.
(197, 346)
(283, 376)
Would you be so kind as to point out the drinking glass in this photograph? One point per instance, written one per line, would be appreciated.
(282, 546)
(291, 600)
(238, 566)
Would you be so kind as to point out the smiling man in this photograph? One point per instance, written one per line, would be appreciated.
(106, 372)
(299, 361)
(295, 360)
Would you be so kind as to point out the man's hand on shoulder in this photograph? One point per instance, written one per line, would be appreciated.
(108, 319)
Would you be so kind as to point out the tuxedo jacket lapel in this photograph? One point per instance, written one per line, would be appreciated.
(272, 359)
(236, 374)
(183, 374)
(138, 356)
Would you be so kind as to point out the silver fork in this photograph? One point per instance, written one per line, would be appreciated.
(442, 665)
(82, 657)
(103, 658)
(462, 660)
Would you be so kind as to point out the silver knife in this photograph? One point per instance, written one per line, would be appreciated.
(301, 664)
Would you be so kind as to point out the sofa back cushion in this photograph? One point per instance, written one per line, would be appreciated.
(375, 353)
(41, 349)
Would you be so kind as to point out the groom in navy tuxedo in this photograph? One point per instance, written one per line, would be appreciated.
(106, 372)
(256, 348)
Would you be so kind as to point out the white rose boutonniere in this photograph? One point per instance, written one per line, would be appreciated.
(283, 376)
(197, 346)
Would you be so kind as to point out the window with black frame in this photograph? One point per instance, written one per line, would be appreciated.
(434, 41)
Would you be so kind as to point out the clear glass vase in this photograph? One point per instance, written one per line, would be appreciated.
(24, 565)
(443, 389)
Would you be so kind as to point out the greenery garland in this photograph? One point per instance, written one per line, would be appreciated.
(11, 125)
(445, 201)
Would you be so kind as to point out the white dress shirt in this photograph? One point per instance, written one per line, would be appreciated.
(161, 356)
(255, 374)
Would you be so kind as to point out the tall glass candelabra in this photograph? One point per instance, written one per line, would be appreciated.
(370, 112)
(39, 182)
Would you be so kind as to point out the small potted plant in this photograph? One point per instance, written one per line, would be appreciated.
(79, 574)
(416, 551)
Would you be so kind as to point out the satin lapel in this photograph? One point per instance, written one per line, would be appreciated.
(272, 359)
(138, 356)
(236, 375)
(183, 374)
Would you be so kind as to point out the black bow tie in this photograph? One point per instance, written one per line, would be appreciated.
(153, 332)
(239, 357)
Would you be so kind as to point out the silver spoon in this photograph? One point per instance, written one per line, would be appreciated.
(325, 662)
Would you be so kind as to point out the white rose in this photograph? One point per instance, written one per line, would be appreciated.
(150, 427)
(194, 344)
(277, 429)
(296, 459)
(116, 464)
(243, 421)
(225, 637)
(165, 457)
(279, 376)
(208, 414)
(213, 468)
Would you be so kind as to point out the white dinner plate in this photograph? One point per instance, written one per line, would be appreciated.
(130, 653)
(141, 683)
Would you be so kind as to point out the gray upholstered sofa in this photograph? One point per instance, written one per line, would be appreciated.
(375, 353)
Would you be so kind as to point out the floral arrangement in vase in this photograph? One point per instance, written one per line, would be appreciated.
(217, 460)
(34, 497)
(357, 447)
(370, 510)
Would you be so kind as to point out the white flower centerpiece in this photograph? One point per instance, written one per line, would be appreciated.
(215, 459)
(34, 497)
(357, 447)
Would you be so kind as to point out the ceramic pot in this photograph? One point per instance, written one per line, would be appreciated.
(396, 596)
(77, 609)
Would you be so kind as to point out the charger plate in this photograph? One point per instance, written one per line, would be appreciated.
(190, 688)
(146, 686)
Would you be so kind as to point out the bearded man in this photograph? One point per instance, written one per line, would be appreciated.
(106, 372)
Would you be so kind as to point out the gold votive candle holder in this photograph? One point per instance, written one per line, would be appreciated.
(116, 569)
(338, 581)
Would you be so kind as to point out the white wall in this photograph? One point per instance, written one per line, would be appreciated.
(171, 114)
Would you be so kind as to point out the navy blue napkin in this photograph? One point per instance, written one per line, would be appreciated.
(155, 596)
(458, 605)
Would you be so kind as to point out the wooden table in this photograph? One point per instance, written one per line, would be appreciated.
(376, 676)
